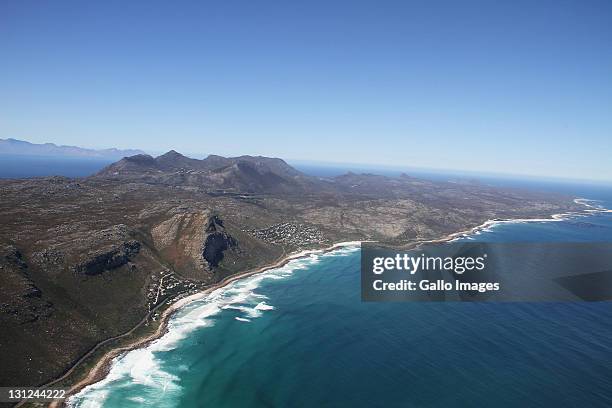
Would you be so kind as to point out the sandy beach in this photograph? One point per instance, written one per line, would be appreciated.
(103, 365)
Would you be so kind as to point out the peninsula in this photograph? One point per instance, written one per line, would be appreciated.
(86, 260)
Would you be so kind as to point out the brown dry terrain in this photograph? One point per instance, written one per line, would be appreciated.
(83, 260)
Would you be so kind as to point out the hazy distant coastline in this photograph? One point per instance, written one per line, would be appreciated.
(24, 148)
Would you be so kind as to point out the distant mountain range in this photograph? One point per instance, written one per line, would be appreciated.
(243, 174)
(21, 147)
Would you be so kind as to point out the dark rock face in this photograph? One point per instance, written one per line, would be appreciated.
(108, 260)
(12, 255)
(216, 241)
(32, 292)
(20, 300)
(214, 224)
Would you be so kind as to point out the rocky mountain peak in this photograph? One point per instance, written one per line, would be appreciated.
(172, 154)
(250, 174)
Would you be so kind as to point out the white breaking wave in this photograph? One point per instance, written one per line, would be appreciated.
(488, 226)
(140, 366)
(589, 203)
(140, 400)
(263, 306)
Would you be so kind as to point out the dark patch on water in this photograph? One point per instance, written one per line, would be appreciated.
(594, 286)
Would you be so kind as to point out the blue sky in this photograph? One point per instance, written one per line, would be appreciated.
(520, 87)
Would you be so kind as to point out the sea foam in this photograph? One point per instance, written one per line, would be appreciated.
(141, 366)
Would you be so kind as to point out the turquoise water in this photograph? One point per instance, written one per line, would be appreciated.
(300, 336)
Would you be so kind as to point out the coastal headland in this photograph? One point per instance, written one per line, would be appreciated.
(95, 266)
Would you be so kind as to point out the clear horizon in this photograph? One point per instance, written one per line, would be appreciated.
(382, 168)
(520, 88)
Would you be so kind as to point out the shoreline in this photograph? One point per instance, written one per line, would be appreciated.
(492, 223)
(102, 367)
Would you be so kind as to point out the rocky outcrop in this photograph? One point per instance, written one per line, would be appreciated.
(179, 239)
(110, 259)
(11, 255)
(193, 241)
(216, 242)
(20, 298)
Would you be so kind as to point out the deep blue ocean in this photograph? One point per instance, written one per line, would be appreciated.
(299, 336)
(25, 166)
